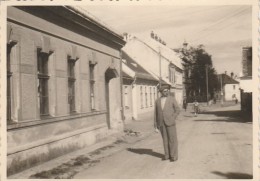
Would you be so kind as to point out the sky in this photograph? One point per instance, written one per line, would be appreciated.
(223, 30)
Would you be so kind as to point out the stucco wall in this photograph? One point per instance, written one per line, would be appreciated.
(141, 106)
(29, 135)
(230, 90)
(128, 102)
(150, 60)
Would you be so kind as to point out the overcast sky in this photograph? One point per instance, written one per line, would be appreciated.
(224, 30)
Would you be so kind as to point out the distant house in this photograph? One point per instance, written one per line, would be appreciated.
(230, 87)
(246, 82)
(159, 60)
(63, 83)
(139, 89)
(187, 60)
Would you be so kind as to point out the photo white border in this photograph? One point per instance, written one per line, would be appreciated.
(255, 38)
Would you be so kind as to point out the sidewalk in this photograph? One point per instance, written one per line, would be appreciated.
(66, 166)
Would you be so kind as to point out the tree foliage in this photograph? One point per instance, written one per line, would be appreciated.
(197, 69)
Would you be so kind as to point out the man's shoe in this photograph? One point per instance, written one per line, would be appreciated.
(173, 159)
(165, 158)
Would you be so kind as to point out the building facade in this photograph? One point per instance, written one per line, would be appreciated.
(230, 87)
(63, 83)
(159, 60)
(246, 81)
(140, 93)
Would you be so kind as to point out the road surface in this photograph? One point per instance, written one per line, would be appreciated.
(215, 145)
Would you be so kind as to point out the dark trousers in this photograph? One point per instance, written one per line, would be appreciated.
(170, 142)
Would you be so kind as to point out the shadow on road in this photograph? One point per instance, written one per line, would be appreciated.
(234, 175)
(142, 151)
(230, 116)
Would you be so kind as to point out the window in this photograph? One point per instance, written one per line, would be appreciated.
(43, 78)
(154, 94)
(92, 85)
(71, 83)
(146, 98)
(9, 76)
(170, 74)
(173, 76)
(234, 87)
(141, 96)
(126, 97)
(151, 97)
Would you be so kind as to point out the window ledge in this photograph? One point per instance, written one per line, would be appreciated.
(23, 124)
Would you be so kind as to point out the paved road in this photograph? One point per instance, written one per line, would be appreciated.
(216, 144)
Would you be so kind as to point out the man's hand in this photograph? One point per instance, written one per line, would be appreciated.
(156, 130)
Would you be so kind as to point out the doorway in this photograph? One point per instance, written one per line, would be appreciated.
(110, 73)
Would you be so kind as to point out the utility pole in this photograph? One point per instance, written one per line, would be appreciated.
(160, 73)
(221, 90)
(207, 82)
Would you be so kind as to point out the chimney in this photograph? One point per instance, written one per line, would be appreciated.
(125, 35)
(232, 75)
(155, 37)
(185, 44)
(152, 35)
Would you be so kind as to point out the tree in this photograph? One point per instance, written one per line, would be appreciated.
(197, 68)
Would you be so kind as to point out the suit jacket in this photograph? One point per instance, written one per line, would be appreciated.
(166, 115)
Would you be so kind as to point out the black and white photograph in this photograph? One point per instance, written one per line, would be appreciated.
(129, 90)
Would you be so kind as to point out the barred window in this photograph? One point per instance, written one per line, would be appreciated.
(71, 84)
(43, 78)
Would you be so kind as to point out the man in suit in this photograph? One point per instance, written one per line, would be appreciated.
(166, 112)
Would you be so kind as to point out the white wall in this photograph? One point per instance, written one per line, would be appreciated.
(139, 104)
(230, 90)
(247, 85)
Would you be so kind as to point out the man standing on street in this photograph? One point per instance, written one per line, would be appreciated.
(166, 112)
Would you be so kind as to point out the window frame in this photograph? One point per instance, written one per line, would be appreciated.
(71, 63)
(43, 81)
(9, 74)
(146, 98)
(141, 96)
(92, 65)
(151, 99)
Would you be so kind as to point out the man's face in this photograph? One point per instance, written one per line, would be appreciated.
(165, 92)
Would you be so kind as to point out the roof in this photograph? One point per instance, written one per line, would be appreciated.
(165, 51)
(226, 79)
(85, 14)
(246, 77)
(140, 72)
(125, 75)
